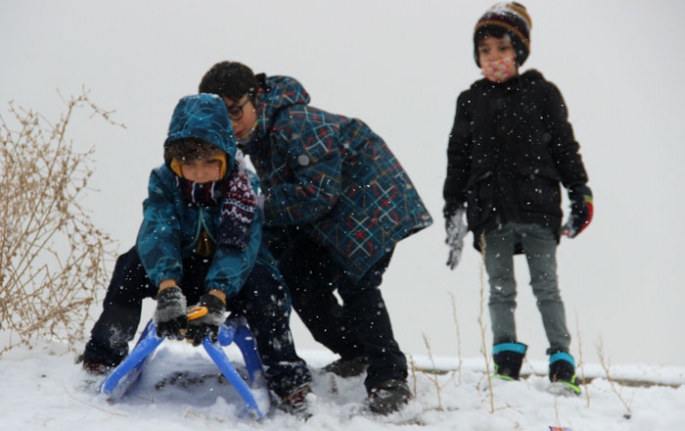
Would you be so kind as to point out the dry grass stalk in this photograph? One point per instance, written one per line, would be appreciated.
(413, 368)
(456, 324)
(483, 326)
(433, 377)
(52, 257)
(581, 363)
(606, 366)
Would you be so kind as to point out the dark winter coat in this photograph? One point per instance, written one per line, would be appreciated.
(510, 148)
(332, 176)
(171, 227)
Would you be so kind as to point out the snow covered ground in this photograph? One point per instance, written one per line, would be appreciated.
(45, 390)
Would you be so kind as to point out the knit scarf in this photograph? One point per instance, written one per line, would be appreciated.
(237, 199)
(200, 194)
(237, 211)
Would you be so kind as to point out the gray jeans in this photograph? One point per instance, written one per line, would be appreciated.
(539, 245)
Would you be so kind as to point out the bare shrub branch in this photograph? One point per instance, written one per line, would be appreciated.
(52, 257)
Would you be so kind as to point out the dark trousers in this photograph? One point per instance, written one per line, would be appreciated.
(539, 245)
(360, 326)
(263, 301)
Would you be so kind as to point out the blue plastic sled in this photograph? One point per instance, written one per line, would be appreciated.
(127, 373)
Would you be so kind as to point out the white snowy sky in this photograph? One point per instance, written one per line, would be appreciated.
(399, 66)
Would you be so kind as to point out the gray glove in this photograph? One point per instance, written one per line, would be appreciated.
(209, 323)
(582, 209)
(456, 231)
(170, 315)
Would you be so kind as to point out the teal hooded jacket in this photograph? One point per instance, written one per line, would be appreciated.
(171, 227)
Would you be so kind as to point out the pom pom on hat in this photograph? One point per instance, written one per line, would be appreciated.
(511, 17)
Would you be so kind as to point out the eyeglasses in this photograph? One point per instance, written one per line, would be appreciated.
(235, 111)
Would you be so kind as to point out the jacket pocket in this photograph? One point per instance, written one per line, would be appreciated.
(480, 201)
(539, 194)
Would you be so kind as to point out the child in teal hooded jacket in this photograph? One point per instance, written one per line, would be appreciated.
(200, 242)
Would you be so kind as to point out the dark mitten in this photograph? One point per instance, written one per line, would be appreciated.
(582, 210)
(207, 324)
(170, 315)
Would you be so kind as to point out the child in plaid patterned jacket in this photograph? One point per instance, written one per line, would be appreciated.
(337, 202)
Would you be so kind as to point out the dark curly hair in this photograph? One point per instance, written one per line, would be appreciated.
(230, 79)
(190, 149)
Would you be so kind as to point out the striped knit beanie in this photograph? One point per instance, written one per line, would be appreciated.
(506, 18)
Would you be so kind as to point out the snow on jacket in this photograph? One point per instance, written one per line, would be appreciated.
(510, 147)
(171, 227)
(332, 176)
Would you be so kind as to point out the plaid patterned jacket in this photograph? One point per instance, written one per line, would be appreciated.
(333, 177)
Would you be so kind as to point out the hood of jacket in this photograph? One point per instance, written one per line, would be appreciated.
(203, 117)
(278, 92)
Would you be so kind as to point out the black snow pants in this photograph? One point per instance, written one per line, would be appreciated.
(360, 326)
(263, 301)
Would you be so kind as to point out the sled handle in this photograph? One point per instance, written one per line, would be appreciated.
(197, 312)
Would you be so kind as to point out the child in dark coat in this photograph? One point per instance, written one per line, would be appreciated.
(201, 243)
(510, 148)
(337, 201)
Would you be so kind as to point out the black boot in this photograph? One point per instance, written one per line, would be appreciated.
(296, 403)
(390, 396)
(562, 369)
(348, 367)
(508, 358)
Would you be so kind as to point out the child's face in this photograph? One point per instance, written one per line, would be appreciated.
(492, 48)
(243, 115)
(202, 170)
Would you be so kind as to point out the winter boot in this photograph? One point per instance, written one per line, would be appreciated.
(93, 368)
(296, 404)
(508, 358)
(388, 397)
(348, 367)
(562, 370)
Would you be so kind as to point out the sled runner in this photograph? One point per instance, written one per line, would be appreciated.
(124, 376)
